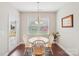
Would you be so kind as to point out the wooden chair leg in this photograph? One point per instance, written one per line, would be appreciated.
(25, 52)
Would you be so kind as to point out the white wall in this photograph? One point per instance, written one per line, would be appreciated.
(51, 15)
(14, 16)
(69, 36)
(5, 10)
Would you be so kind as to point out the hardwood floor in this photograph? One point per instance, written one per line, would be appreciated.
(19, 51)
(57, 51)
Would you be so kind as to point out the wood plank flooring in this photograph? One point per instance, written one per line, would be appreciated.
(19, 51)
(57, 51)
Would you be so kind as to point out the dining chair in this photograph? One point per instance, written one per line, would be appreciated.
(51, 41)
(27, 45)
(38, 48)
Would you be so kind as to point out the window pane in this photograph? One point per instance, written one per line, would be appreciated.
(35, 28)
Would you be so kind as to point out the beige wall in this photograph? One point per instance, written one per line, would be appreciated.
(52, 16)
(69, 38)
(7, 11)
(14, 15)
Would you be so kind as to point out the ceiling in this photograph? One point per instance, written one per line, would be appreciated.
(33, 6)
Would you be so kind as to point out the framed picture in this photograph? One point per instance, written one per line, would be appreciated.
(13, 28)
(67, 22)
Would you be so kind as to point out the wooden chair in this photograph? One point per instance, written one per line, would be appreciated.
(38, 48)
(27, 45)
(51, 41)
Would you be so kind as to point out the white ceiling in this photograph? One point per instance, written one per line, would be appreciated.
(43, 6)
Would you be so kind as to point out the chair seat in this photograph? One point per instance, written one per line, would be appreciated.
(38, 51)
(38, 48)
(28, 46)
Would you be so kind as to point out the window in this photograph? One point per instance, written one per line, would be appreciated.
(35, 28)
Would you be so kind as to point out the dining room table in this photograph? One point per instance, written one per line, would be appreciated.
(48, 51)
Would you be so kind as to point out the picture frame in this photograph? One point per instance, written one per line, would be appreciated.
(13, 28)
(67, 22)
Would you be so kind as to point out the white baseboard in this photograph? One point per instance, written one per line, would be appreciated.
(65, 49)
